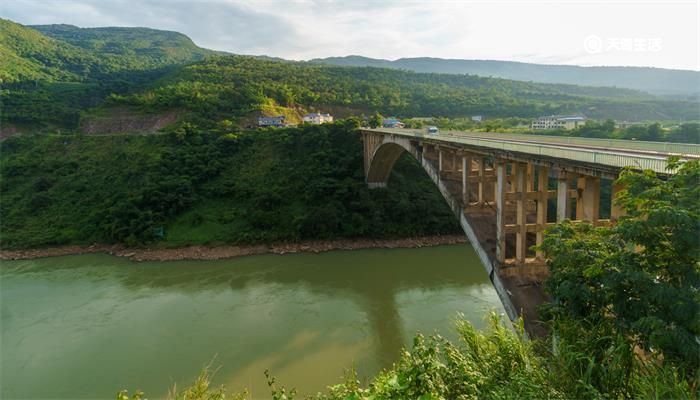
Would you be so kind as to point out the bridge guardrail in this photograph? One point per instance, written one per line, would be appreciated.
(661, 147)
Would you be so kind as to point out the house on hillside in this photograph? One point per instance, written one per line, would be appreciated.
(558, 122)
(627, 124)
(477, 118)
(392, 123)
(317, 118)
(278, 121)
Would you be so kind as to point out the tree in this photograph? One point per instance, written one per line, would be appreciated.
(375, 120)
(686, 133)
(641, 276)
(654, 132)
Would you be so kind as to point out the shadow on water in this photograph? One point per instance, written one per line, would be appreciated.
(371, 285)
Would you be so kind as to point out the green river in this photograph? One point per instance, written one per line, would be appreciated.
(87, 326)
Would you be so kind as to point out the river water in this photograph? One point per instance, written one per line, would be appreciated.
(87, 326)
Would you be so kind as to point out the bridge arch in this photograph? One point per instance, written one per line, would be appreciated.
(382, 160)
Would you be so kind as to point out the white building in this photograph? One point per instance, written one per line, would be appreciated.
(317, 118)
(558, 122)
(477, 118)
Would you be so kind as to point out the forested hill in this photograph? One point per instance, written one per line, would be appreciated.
(28, 55)
(234, 86)
(652, 80)
(69, 54)
(147, 48)
(57, 76)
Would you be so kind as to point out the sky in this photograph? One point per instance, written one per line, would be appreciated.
(663, 34)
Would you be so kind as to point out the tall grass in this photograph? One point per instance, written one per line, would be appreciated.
(578, 360)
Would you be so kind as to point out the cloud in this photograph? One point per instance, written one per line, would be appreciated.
(530, 31)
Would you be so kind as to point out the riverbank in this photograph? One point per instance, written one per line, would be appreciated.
(229, 251)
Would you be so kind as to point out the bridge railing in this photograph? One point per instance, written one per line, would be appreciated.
(638, 145)
(615, 159)
(654, 147)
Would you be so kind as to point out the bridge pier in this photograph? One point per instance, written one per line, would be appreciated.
(615, 210)
(563, 196)
(542, 205)
(500, 201)
(590, 200)
(466, 173)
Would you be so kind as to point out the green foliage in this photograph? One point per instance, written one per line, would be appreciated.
(49, 79)
(476, 367)
(237, 85)
(130, 48)
(208, 187)
(70, 54)
(153, 70)
(685, 133)
(376, 120)
(593, 361)
(640, 277)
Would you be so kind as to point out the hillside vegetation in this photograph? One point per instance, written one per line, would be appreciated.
(224, 87)
(56, 75)
(66, 53)
(49, 79)
(28, 55)
(202, 187)
(136, 48)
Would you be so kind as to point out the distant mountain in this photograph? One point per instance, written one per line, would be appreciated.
(52, 74)
(653, 80)
(144, 47)
(67, 53)
(27, 55)
(49, 73)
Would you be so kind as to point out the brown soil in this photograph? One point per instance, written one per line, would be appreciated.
(7, 130)
(121, 120)
(220, 252)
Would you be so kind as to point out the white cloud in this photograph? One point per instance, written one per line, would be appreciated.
(530, 31)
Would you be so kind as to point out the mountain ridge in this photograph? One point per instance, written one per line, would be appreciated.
(54, 74)
(660, 81)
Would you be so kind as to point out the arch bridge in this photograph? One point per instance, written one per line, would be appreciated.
(506, 189)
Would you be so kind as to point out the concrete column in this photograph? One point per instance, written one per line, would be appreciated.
(530, 177)
(580, 188)
(500, 211)
(454, 161)
(591, 200)
(439, 159)
(482, 174)
(466, 170)
(563, 196)
(616, 211)
(521, 179)
(542, 195)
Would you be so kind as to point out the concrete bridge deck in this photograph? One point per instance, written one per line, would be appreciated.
(500, 187)
(606, 152)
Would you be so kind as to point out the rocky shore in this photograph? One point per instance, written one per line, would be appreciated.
(228, 251)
